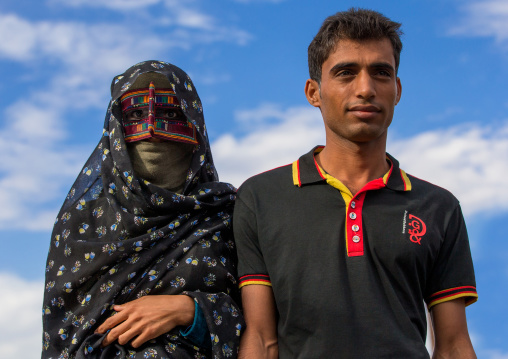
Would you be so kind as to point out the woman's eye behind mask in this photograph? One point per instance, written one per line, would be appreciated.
(135, 115)
(167, 114)
(170, 114)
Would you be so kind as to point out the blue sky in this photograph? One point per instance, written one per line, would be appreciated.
(248, 61)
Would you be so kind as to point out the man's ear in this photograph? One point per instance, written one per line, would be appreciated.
(312, 93)
(399, 91)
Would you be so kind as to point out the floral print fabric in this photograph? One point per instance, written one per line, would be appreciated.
(118, 237)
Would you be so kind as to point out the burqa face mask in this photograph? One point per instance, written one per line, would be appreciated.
(155, 113)
(160, 140)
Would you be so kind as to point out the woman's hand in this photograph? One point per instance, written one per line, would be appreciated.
(147, 318)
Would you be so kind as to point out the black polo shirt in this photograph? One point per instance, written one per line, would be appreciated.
(350, 273)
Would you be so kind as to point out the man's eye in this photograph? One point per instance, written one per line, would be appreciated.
(344, 73)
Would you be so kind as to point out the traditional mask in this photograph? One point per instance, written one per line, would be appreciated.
(151, 112)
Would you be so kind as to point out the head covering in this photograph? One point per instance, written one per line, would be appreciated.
(118, 237)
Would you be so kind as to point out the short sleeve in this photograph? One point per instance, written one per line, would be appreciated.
(251, 265)
(452, 274)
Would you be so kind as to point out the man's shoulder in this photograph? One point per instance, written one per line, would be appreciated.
(266, 182)
(426, 189)
(286, 176)
(277, 174)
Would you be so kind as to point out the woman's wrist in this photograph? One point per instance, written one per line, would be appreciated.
(187, 309)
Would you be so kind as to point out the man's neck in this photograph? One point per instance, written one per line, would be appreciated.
(354, 164)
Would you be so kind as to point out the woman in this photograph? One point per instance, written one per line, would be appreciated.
(142, 260)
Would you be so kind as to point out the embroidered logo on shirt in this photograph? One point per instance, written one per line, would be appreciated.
(418, 229)
(404, 222)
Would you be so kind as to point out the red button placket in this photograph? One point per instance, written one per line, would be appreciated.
(354, 229)
(354, 219)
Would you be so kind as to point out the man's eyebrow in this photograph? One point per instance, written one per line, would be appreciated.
(383, 65)
(347, 65)
(343, 65)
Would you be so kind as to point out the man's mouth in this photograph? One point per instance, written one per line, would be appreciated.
(365, 108)
(364, 111)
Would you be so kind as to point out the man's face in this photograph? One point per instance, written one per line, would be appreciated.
(359, 90)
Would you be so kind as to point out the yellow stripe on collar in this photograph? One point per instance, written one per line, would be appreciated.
(407, 182)
(296, 174)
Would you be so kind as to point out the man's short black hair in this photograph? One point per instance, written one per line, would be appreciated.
(354, 24)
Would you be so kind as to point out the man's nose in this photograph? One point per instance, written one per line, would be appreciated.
(365, 86)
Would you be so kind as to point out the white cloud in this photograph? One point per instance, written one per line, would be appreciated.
(99, 49)
(34, 168)
(191, 18)
(123, 5)
(258, 1)
(87, 50)
(87, 54)
(292, 132)
(483, 347)
(494, 354)
(20, 317)
(180, 13)
(189, 25)
(484, 18)
(18, 37)
(35, 172)
(470, 161)
(211, 78)
(444, 115)
(210, 29)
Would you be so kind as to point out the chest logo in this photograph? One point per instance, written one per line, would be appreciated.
(418, 229)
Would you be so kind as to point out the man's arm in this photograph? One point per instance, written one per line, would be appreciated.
(260, 337)
(450, 328)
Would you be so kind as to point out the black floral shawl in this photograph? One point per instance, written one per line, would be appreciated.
(118, 237)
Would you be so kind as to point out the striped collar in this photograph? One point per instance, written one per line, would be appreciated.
(306, 171)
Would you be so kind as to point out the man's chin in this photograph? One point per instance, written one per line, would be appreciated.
(368, 135)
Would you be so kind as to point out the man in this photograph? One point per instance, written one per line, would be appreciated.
(142, 261)
(339, 250)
